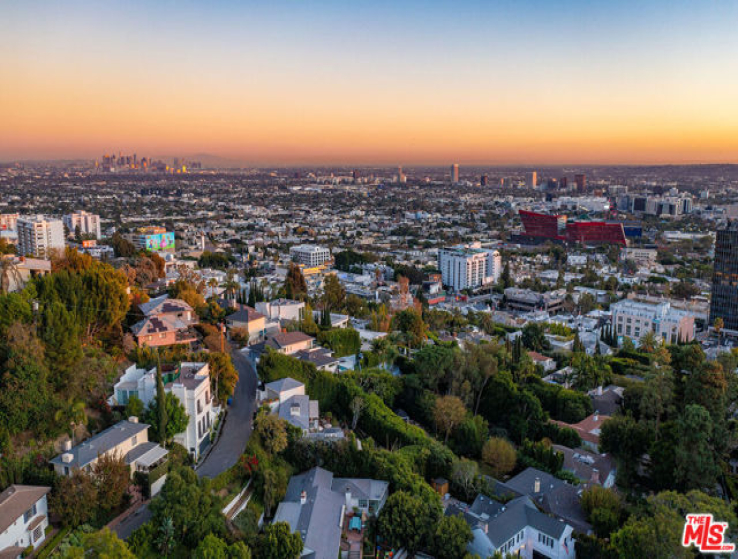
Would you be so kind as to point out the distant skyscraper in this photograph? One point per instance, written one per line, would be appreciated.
(484, 180)
(581, 181)
(564, 183)
(724, 300)
(455, 173)
(401, 178)
(531, 179)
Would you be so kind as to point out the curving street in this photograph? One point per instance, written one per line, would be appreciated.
(234, 435)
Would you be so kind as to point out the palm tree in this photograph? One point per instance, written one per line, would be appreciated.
(9, 271)
(73, 413)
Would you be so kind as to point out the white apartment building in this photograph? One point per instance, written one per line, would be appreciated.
(465, 267)
(190, 383)
(24, 516)
(39, 236)
(310, 255)
(632, 319)
(89, 224)
(282, 309)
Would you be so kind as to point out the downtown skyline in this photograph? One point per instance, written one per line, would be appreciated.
(332, 83)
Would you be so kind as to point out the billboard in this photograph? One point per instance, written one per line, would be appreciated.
(160, 242)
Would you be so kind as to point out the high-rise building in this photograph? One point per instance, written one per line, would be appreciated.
(40, 236)
(581, 182)
(724, 299)
(464, 267)
(564, 183)
(531, 179)
(455, 173)
(401, 178)
(484, 181)
(89, 224)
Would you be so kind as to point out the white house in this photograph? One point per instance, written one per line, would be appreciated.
(515, 528)
(282, 309)
(24, 517)
(190, 383)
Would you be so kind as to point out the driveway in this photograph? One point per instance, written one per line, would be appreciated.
(234, 435)
(236, 430)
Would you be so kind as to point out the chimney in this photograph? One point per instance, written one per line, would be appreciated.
(133, 419)
(66, 445)
(303, 497)
(348, 497)
(537, 485)
(599, 390)
(596, 417)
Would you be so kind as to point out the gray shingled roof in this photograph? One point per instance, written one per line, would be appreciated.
(283, 384)
(300, 402)
(317, 521)
(85, 453)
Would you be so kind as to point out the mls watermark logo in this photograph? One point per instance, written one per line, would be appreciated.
(706, 535)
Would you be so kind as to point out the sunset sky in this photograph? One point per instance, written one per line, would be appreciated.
(396, 82)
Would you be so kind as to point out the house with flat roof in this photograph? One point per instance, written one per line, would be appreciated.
(316, 506)
(24, 516)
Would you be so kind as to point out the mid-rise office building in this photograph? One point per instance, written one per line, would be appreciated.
(466, 267)
(40, 236)
(89, 224)
(724, 300)
(632, 319)
(310, 255)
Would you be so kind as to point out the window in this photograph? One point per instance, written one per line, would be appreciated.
(37, 533)
(30, 513)
(363, 503)
(134, 440)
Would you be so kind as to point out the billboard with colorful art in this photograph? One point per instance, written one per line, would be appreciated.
(160, 242)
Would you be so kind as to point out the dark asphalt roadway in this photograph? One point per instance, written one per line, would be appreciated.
(234, 435)
(237, 427)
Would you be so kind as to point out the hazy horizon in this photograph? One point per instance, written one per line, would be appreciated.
(381, 83)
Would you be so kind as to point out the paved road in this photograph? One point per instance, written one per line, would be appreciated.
(234, 435)
(237, 427)
(126, 527)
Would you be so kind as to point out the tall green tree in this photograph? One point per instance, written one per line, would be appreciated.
(279, 542)
(407, 521)
(161, 408)
(696, 462)
(451, 536)
(295, 286)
